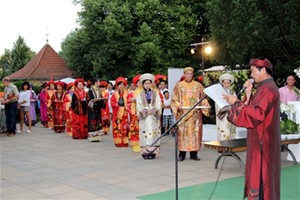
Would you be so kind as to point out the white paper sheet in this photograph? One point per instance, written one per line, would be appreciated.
(215, 92)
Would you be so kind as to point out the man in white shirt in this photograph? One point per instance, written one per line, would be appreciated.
(110, 91)
(167, 112)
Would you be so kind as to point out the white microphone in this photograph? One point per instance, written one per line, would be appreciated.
(244, 88)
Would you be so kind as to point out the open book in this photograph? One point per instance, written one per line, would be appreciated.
(215, 92)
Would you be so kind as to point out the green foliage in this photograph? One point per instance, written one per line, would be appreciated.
(289, 127)
(240, 76)
(243, 29)
(36, 86)
(124, 38)
(20, 55)
(5, 61)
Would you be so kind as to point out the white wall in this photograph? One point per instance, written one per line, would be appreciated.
(174, 75)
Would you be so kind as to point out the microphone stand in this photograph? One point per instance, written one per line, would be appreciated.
(176, 141)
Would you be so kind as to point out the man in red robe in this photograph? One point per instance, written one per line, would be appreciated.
(260, 115)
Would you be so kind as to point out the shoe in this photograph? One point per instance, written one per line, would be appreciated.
(145, 156)
(195, 158)
(180, 158)
(11, 134)
(28, 131)
(19, 131)
(152, 156)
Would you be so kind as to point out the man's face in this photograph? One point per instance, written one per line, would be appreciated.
(162, 85)
(290, 81)
(6, 83)
(257, 74)
(188, 76)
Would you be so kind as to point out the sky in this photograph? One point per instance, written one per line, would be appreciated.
(34, 19)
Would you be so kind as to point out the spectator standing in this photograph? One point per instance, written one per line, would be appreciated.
(11, 95)
(167, 113)
(288, 92)
(24, 106)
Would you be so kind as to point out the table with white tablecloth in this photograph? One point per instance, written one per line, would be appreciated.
(295, 148)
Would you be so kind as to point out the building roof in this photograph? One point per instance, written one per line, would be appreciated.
(46, 64)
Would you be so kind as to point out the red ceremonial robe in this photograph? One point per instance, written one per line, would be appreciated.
(59, 113)
(261, 118)
(120, 118)
(79, 115)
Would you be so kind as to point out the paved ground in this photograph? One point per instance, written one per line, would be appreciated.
(45, 165)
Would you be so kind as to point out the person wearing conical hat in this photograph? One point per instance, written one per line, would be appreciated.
(70, 92)
(119, 105)
(50, 92)
(58, 107)
(185, 95)
(134, 122)
(148, 105)
(226, 130)
(105, 111)
(79, 111)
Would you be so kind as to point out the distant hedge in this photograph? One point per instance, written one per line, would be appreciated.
(18, 83)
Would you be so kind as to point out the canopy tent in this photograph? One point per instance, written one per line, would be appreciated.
(68, 80)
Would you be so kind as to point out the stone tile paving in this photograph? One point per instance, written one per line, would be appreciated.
(45, 165)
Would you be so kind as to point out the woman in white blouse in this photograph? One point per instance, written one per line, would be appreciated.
(24, 106)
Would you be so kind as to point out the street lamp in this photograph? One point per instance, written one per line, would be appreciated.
(205, 49)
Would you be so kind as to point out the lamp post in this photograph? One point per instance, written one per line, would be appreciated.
(206, 49)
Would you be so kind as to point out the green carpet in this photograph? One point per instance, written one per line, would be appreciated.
(232, 188)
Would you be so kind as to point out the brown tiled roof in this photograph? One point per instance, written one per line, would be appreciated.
(43, 65)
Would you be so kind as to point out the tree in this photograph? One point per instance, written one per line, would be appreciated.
(124, 38)
(5, 61)
(75, 51)
(249, 28)
(21, 54)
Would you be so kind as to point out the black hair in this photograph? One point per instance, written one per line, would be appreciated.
(145, 81)
(166, 91)
(292, 76)
(110, 83)
(268, 70)
(25, 83)
(120, 83)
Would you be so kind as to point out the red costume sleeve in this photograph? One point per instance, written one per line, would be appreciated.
(250, 116)
(113, 101)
